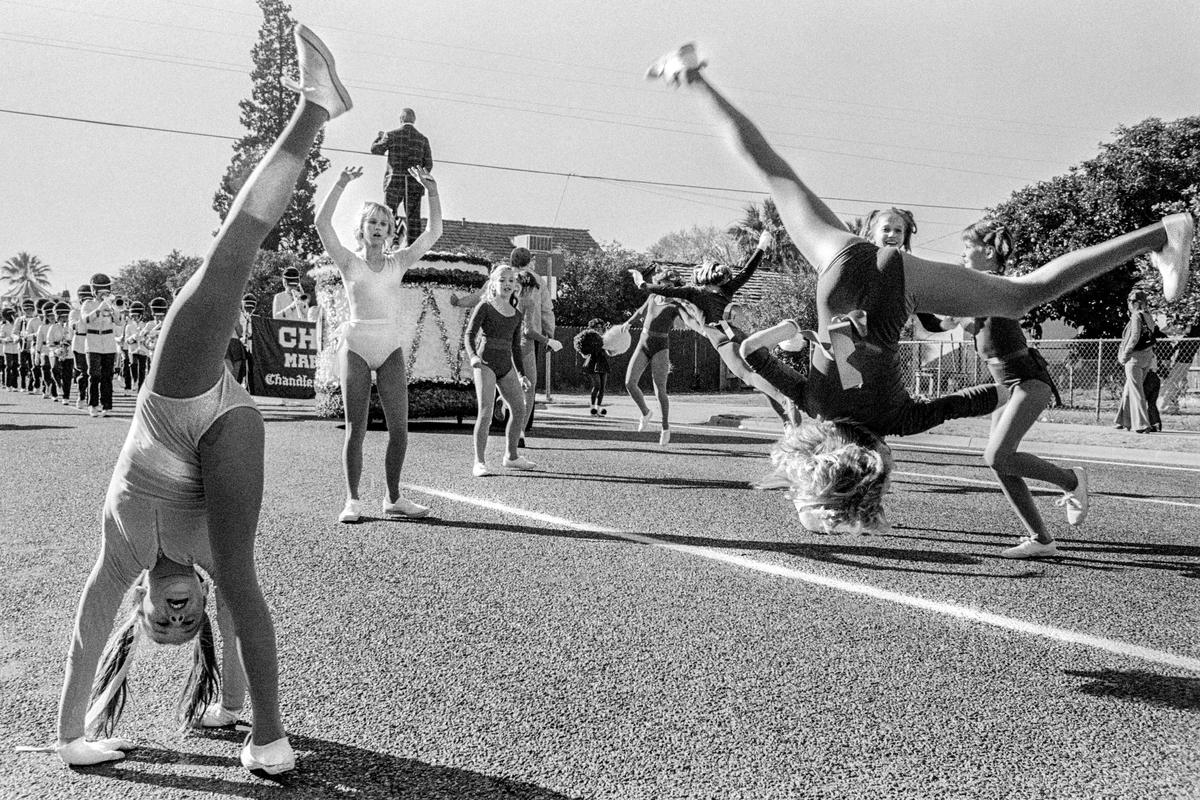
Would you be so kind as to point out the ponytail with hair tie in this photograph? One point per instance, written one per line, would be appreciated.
(204, 681)
(110, 688)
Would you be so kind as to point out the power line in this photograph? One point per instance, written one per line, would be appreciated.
(478, 165)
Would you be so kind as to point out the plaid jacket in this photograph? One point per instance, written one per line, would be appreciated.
(405, 147)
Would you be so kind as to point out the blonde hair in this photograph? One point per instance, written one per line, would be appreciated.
(837, 471)
(110, 687)
(491, 289)
(710, 273)
(369, 208)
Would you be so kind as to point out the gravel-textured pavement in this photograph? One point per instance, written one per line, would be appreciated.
(633, 621)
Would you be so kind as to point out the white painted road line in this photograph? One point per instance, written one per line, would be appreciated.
(866, 590)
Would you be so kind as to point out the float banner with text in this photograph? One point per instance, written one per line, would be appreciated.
(285, 358)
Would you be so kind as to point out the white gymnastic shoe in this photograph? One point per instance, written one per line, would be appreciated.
(272, 758)
(644, 420)
(678, 66)
(480, 470)
(1031, 548)
(218, 716)
(1076, 501)
(520, 462)
(404, 508)
(351, 512)
(664, 438)
(1172, 260)
(319, 82)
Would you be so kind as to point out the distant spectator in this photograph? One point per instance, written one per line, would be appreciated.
(404, 147)
(1137, 356)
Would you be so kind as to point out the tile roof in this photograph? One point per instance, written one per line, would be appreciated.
(497, 238)
(750, 293)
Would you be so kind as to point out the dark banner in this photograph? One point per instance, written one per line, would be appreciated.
(285, 358)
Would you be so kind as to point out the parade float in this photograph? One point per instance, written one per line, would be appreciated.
(439, 377)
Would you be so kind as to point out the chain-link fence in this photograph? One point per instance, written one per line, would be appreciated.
(1085, 370)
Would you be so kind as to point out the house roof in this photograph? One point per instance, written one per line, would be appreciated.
(750, 293)
(497, 238)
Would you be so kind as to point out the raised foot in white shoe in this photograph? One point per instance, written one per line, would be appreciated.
(480, 470)
(273, 758)
(664, 438)
(1172, 260)
(351, 512)
(218, 716)
(1031, 548)
(676, 66)
(404, 508)
(520, 462)
(644, 420)
(319, 82)
(1076, 501)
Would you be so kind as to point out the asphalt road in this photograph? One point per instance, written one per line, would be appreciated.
(633, 622)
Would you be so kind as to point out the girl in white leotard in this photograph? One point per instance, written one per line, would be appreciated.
(371, 339)
(187, 488)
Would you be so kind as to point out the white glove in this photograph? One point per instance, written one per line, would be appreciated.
(554, 344)
(81, 752)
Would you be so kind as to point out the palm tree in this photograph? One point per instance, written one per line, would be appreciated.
(757, 218)
(26, 276)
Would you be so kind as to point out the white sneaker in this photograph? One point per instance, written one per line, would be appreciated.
(675, 66)
(404, 508)
(480, 470)
(664, 438)
(520, 462)
(1076, 502)
(1172, 260)
(644, 420)
(1031, 548)
(218, 716)
(272, 758)
(93, 411)
(319, 82)
(351, 512)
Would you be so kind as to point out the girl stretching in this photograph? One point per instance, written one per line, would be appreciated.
(987, 247)
(187, 487)
(493, 345)
(653, 350)
(838, 463)
(371, 338)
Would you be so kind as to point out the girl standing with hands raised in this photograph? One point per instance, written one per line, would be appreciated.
(372, 339)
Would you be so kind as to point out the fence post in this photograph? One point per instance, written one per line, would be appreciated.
(549, 399)
(1099, 374)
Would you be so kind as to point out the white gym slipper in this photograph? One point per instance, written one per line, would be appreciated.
(664, 438)
(676, 66)
(351, 512)
(1076, 501)
(1031, 548)
(520, 462)
(218, 716)
(273, 759)
(1172, 260)
(480, 470)
(404, 508)
(319, 82)
(644, 420)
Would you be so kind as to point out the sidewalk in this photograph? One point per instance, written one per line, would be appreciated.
(750, 412)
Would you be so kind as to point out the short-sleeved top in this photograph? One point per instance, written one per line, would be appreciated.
(373, 294)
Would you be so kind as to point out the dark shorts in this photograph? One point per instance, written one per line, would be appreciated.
(1013, 370)
(653, 343)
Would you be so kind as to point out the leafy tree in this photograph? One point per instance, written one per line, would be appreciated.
(146, 279)
(597, 284)
(266, 277)
(1150, 169)
(696, 246)
(26, 275)
(265, 114)
(757, 218)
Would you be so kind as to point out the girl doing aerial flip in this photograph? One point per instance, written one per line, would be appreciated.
(371, 338)
(837, 462)
(187, 488)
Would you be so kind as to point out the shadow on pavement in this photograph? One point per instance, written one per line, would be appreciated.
(1143, 687)
(324, 769)
(7, 427)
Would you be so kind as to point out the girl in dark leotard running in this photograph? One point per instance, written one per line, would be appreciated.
(838, 462)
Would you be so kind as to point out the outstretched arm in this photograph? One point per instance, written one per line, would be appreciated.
(639, 314)
(738, 281)
(425, 242)
(380, 146)
(324, 220)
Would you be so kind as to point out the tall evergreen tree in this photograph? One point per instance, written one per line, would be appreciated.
(265, 114)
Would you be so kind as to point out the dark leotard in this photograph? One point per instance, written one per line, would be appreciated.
(867, 278)
(660, 318)
(711, 299)
(1009, 358)
(499, 339)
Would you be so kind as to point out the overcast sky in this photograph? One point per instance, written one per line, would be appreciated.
(943, 107)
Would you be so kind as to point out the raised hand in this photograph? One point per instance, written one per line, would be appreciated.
(423, 177)
(766, 241)
(350, 173)
(639, 280)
